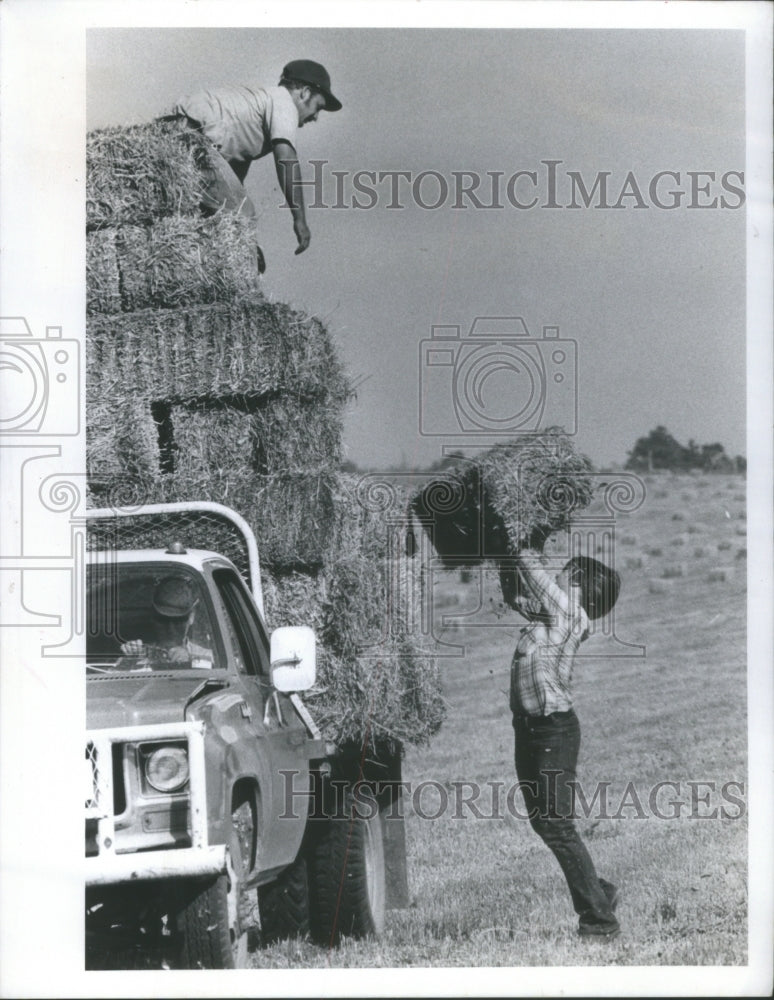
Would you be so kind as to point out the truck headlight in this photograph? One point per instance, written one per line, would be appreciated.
(166, 769)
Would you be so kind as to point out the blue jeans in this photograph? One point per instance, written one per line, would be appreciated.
(546, 758)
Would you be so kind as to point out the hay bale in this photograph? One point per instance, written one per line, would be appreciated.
(659, 586)
(673, 570)
(634, 562)
(678, 517)
(741, 554)
(121, 440)
(277, 435)
(485, 507)
(136, 175)
(178, 261)
(721, 575)
(374, 680)
(629, 539)
(246, 348)
(724, 545)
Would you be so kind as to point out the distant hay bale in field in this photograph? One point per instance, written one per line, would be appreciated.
(722, 574)
(178, 261)
(249, 347)
(485, 507)
(634, 562)
(662, 494)
(699, 552)
(741, 554)
(677, 542)
(741, 516)
(740, 532)
(677, 516)
(673, 570)
(629, 539)
(654, 550)
(139, 174)
(724, 545)
(659, 586)
(740, 497)
(693, 529)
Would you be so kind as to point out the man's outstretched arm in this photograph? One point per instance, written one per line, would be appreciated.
(289, 177)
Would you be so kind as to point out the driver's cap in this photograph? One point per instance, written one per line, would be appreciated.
(174, 597)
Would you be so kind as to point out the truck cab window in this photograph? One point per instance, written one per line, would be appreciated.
(245, 631)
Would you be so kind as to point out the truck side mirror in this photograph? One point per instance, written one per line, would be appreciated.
(293, 658)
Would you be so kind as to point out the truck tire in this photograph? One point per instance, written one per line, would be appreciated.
(284, 904)
(346, 875)
(210, 938)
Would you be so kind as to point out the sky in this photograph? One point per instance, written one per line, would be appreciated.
(652, 300)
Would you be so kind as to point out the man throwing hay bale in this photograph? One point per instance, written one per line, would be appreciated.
(547, 731)
(246, 124)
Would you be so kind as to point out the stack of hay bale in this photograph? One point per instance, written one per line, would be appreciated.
(199, 388)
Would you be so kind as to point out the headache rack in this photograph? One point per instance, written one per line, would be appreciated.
(196, 524)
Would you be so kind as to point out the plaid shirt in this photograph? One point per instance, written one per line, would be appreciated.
(541, 670)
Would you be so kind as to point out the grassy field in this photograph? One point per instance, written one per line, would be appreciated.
(486, 891)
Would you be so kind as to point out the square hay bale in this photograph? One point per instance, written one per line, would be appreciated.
(487, 506)
(121, 440)
(249, 347)
(290, 433)
(293, 516)
(178, 261)
(374, 680)
(139, 174)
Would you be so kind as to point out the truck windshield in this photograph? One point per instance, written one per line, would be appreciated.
(146, 618)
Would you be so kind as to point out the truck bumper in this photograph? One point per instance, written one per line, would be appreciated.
(153, 865)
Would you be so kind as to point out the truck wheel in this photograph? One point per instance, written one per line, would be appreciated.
(346, 874)
(284, 904)
(208, 920)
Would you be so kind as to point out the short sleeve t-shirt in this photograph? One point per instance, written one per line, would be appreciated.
(242, 123)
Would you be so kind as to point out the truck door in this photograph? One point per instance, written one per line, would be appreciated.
(282, 742)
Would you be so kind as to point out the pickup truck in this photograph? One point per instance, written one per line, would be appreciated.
(217, 817)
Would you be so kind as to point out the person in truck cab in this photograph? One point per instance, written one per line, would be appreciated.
(174, 606)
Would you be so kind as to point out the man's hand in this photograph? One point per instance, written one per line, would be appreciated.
(289, 177)
(132, 648)
(303, 235)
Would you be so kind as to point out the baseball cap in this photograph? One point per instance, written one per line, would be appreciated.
(314, 74)
(174, 597)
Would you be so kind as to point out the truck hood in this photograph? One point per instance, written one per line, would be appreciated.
(138, 701)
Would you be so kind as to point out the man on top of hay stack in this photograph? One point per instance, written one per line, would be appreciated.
(245, 124)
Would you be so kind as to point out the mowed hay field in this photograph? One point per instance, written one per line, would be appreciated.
(486, 891)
